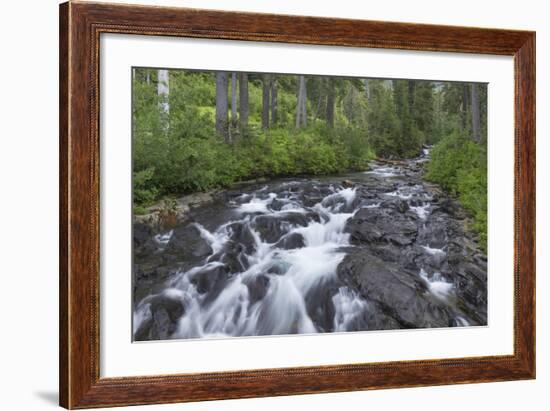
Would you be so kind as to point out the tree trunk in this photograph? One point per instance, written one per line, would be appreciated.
(163, 90)
(411, 88)
(330, 103)
(304, 102)
(243, 101)
(274, 93)
(349, 103)
(299, 103)
(266, 85)
(464, 107)
(221, 104)
(234, 98)
(367, 90)
(475, 113)
(320, 98)
(301, 106)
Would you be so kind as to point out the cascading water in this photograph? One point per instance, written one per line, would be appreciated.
(288, 274)
(273, 265)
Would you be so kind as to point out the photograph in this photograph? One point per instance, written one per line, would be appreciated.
(272, 204)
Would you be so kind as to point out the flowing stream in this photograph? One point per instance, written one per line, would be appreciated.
(375, 250)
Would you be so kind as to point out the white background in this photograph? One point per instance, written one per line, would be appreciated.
(28, 172)
(119, 357)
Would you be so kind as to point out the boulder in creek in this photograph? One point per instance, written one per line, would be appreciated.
(291, 241)
(188, 245)
(143, 237)
(402, 206)
(210, 279)
(398, 293)
(257, 287)
(320, 305)
(233, 255)
(271, 228)
(376, 224)
(277, 204)
(161, 321)
(240, 233)
(347, 184)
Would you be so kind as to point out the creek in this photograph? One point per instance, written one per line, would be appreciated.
(381, 249)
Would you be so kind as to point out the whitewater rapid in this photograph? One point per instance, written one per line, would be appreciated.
(283, 310)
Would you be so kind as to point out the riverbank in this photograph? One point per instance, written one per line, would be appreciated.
(172, 210)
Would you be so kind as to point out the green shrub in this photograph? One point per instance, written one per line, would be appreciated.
(169, 163)
(459, 165)
(144, 192)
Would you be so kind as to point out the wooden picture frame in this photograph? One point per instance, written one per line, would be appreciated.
(80, 27)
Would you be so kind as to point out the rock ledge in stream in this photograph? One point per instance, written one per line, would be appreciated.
(387, 224)
(398, 295)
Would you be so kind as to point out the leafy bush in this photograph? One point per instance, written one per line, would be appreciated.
(459, 165)
(168, 163)
(144, 192)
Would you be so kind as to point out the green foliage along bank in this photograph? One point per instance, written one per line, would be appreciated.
(176, 165)
(459, 160)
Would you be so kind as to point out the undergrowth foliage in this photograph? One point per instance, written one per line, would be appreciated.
(460, 166)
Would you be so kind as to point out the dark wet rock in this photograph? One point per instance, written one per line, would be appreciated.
(347, 184)
(277, 204)
(165, 310)
(374, 319)
(399, 294)
(209, 279)
(257, 287)
(372, 224)
(363, 231)
(402, 206)
(173, 304)
(471, 289)
(144, 242)
(298, 219)
(313, 216)
(433, 261)
(272, 228)
(150, 273)
(233, 255)
(291, 241)
(188, 245)
(241, 234)
(311, 201)
(320, 305)
(387, 252)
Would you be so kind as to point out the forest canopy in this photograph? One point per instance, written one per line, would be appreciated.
(198, 130)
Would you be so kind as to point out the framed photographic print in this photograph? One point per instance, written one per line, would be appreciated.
(257, 205)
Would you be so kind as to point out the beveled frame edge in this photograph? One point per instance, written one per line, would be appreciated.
(81, 24)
